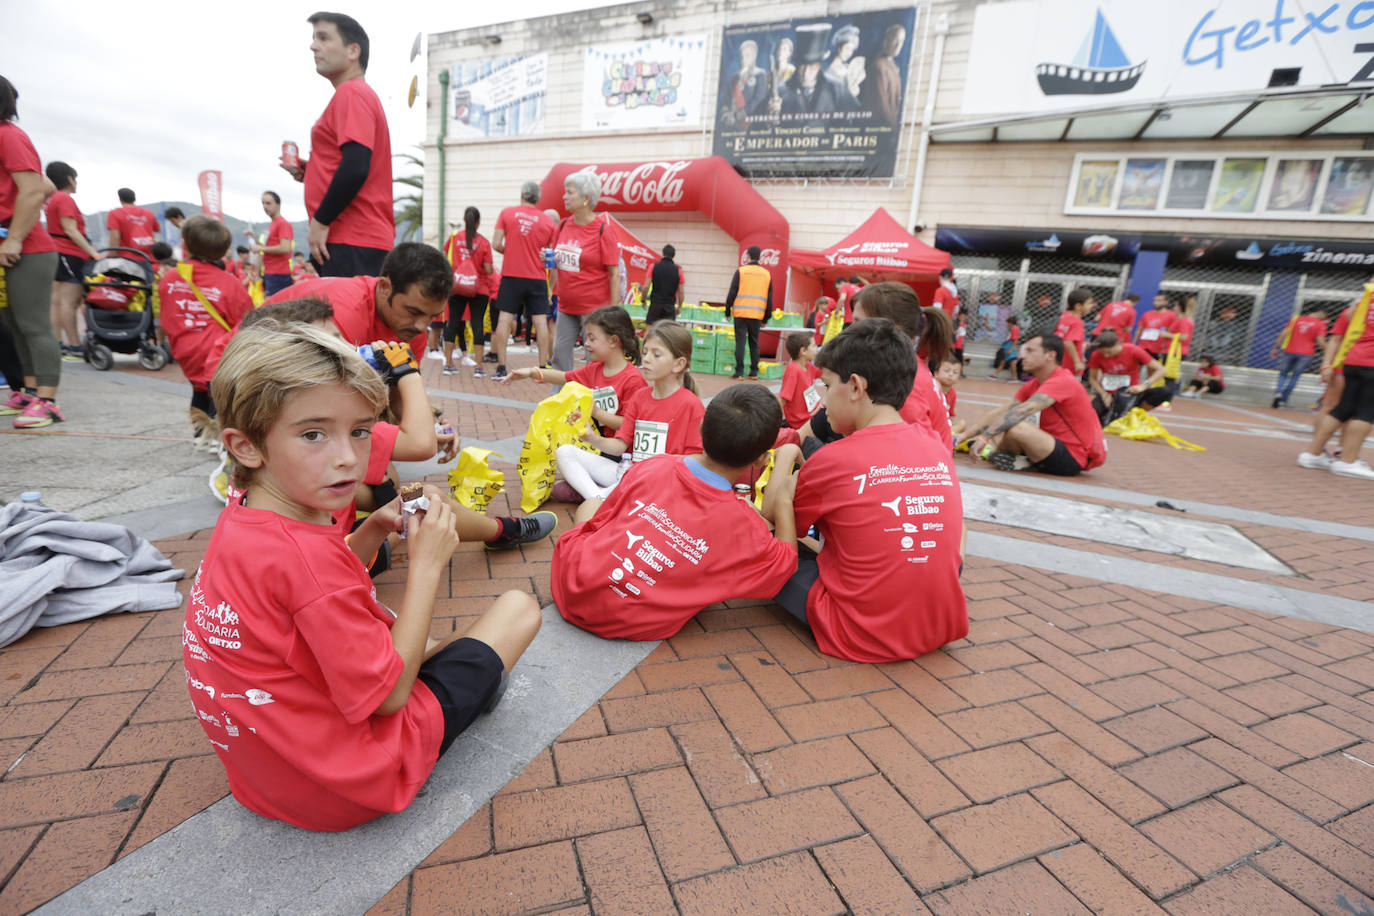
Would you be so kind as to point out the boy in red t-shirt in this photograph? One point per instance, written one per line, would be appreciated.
(947, 375)
(326, 708)
(1114, 375)
(673, 538)
(201, 306)
(885, 586)
(1070, 328)
(798, 396)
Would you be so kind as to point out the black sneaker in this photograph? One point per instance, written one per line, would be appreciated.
(1276, 403)
(500, 374)
(489, 357)
(1008, 461)
(533, 527)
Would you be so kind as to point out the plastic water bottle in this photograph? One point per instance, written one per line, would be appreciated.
(31, 499)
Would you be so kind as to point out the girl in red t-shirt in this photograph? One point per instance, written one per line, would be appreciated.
(611, 373)
(664, 420)
(1207, 378)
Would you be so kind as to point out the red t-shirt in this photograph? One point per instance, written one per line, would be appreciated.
(583, 253)
(612, 393)
(281, 231)
(197, 339)
(1184, 329)
(950, 397)
(947, 299)
(657, 426)
(382, 445)
(18, 155)
(847, 292)
(1151, 324)
(1119, 316)
(1070, 328)
(457, 250)
(59, 205)
(801, 398)
(1214, 371)
(664, 545)
(288, 655)
(1071, 418)
(1362, 351)
(137, 227)
(528, 231)
(1013, 332)
(1305, 331)
(233, 267)
(1121, 370)
(355, 307)
(822, 315)
(926, 406)
(887, 501)
(353, 115)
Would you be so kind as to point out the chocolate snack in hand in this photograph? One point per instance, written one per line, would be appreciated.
(413, 501)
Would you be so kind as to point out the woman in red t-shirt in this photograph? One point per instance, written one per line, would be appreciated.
(67, 227)
(587, 258)
(29, 259)
(471, 252)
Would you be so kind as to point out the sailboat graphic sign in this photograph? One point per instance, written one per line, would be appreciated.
(1100, 67)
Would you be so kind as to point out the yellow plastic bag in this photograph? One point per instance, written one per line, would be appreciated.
(1138, 424)
(1173, 361)
(834, 325)
(762, 483)
(474, 482)
(558, 420)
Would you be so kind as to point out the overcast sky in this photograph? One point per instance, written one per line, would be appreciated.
(146, 95)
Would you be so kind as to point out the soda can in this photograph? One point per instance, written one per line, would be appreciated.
(290, 155)
(549, 262)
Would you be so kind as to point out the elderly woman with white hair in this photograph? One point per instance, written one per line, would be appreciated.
(587, 259)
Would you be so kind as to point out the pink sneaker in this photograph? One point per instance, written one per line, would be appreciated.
(38, 413)
(16, 404)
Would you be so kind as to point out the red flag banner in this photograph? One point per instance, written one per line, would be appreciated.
(210, 184)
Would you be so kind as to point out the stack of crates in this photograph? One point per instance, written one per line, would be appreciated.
(703, 351)
(725, 351)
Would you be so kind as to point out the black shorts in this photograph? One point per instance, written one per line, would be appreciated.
(462, 676)
(821, 429)
(1357, 400)
(351, 261)
(70, 268)
(1058, 462)
(523, 296)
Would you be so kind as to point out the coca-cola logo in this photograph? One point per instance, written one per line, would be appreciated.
(768, 257)
(646, 183)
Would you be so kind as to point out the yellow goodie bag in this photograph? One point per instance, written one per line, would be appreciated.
(834, 325)
(1173, 361)
(762, 483)
(474, 482)
(558, 420)
(1138, 424)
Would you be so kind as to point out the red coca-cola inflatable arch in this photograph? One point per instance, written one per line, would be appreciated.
(707, 185)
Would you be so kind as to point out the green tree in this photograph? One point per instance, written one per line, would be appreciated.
(410, 215)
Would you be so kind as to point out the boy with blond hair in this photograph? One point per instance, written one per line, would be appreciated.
(326, 708)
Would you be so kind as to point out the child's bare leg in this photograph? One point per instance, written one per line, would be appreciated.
(586, 510)
(508, 626)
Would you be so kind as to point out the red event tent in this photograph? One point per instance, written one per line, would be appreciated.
(878, 250)
(636, 258)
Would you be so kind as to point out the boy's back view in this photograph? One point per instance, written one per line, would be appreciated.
(673, 538)
(886, 584)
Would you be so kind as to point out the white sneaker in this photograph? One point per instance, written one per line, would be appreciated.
(1356, 468)
(434, 354)
(467, 360)
(1316, 462)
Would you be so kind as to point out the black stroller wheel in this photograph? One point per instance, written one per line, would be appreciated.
(152, 357)
(100, 356)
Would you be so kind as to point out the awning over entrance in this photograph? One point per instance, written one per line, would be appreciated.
(1333, 111)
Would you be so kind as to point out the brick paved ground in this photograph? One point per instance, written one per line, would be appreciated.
(1088, 748)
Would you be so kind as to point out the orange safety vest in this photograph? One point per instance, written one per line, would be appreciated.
(752, 296)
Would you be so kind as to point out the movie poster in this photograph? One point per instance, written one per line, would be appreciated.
(1189, 183)
(1295, 184)
(1140, 186)
(814, 97)
(503, 97)
(1348, 187)
(1238, 187)
(1096, 181)
(640, 85)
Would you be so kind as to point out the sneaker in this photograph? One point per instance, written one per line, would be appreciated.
(752, 378)
(38, 413)
(72, 354)
(450, 369)
(1008, 461)
(1357, 468)
(736, 376)
(533, 527)
(434, 354)
(478, 373)
(564, 492)
(1315, 462)
(1166, 407)
(16, 404)
(1275, 403)
(467, 361)
(489, 357)
(500, 374)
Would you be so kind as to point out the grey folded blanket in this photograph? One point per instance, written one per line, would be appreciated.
(55, 569)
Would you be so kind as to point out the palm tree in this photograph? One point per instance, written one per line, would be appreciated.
(410, 218)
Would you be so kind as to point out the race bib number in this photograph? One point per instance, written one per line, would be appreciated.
(1113, 382)
(651, 439)
(1150, 334)
(605, 399)
(812, 397)
(568, 258)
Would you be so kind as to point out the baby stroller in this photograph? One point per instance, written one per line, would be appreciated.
(119, 309)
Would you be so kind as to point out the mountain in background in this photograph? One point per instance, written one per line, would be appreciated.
(95, 224)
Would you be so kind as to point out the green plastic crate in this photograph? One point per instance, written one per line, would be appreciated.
(703, 343)
(769, 370)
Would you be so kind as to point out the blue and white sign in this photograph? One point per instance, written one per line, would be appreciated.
(1051, 55)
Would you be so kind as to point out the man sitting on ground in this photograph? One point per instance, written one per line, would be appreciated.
(1114, 375)
(1068, 440)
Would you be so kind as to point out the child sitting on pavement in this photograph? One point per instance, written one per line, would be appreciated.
(798, 395)
(325, 708)
(665, 419)
(885, 586)
(673, 538)
(1207, 379)
(947, 375)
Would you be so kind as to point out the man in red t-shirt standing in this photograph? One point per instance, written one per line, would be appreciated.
(348, 175)
(1157, 327)
(276, 253)
(1068, 440)
(947, 293)
(1299, 339)
(132, 227)
(1070, 327)
(521, 235)
(1118, 316)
